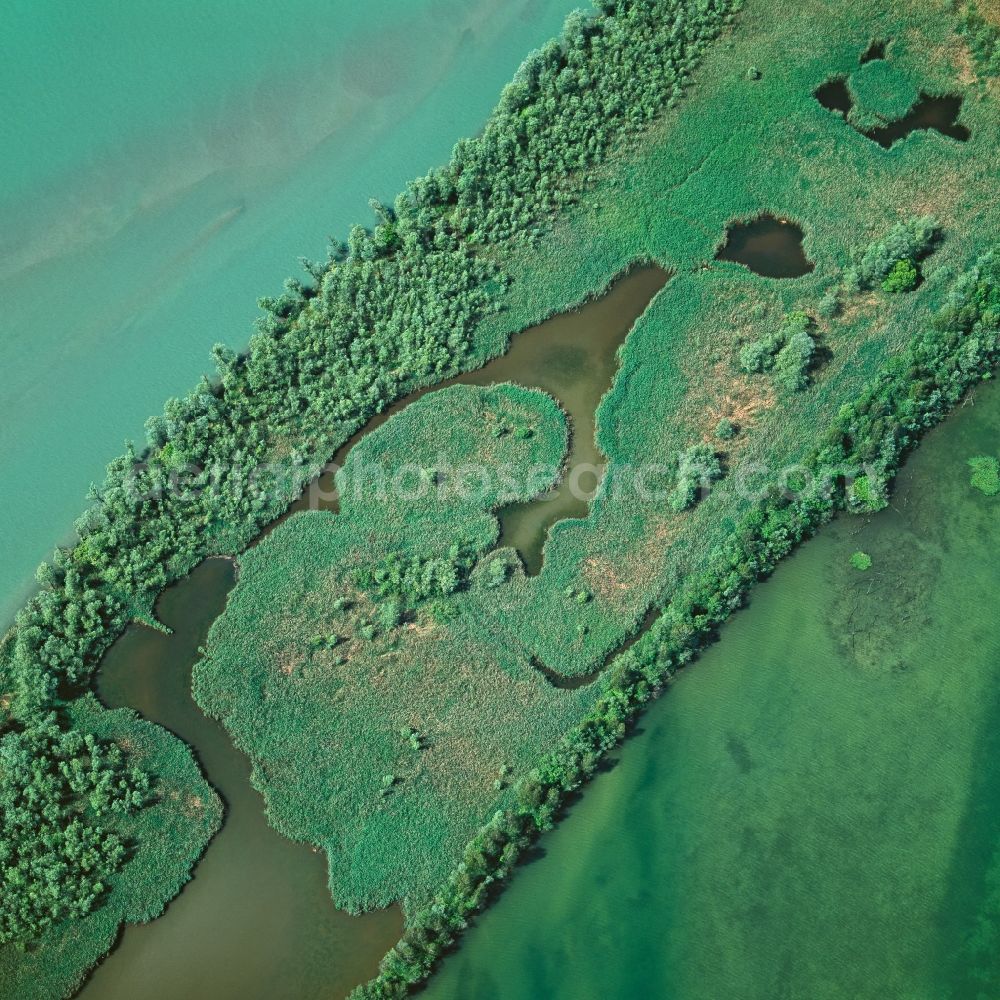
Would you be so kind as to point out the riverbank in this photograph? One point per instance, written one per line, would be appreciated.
(810, 808)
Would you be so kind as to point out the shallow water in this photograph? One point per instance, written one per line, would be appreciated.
(811, 809)
(165, 165)
(257, 921)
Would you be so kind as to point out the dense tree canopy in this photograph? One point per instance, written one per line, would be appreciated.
(58, 791)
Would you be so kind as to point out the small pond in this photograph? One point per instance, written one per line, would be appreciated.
(769, 246)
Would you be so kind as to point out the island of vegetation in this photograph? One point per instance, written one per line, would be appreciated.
(412, 700)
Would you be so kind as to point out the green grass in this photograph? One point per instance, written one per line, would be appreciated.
(882, 92)
(323, 738)
(316, 652)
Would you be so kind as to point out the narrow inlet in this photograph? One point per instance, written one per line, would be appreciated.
(572, 356)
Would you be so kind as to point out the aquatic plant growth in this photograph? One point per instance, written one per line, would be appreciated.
(986, 474)
(391, 695)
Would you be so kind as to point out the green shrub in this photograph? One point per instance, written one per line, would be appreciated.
(829, 305)
(903, 276)
(908, 241)
(758, 355)
(697, 467)
(415, 578)
(726, 430)
(984, 39)
(788, 352)
(861, 561)
(792, 364)
(868, 494)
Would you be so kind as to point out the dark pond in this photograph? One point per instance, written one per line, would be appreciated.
(938, 113)
(874, 52)
(768, 246)
(834, 96)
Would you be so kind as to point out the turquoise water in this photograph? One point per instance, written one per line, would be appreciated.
(165, 165)
(811, 810)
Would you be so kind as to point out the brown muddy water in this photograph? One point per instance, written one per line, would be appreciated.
(573, 357)
(257, 920)
(768, 246)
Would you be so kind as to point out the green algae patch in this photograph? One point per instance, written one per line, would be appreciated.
(861, 561)
(985, 474)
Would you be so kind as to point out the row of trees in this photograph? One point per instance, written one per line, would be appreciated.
(392, 308)
(907, 397)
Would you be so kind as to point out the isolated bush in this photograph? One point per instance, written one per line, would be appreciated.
(908, 241)
(697, 467)
(902, 277)
(787, 352)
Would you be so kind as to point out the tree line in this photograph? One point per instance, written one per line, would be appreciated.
(908, 396)
(390, 309)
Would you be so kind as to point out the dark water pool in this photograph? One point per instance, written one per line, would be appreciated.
(769, 246)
